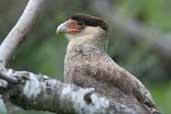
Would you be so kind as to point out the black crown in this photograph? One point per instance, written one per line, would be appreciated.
(90, 20)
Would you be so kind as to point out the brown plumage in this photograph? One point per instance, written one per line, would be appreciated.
(88, 65)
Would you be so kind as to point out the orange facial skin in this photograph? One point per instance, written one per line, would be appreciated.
(73, 27)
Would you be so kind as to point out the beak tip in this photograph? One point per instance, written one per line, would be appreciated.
(57, 31)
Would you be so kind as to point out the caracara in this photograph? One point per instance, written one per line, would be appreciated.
(87, 64)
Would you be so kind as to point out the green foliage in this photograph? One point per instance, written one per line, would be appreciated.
(162, 95)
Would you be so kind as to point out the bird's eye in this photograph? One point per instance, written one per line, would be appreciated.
(80, 23)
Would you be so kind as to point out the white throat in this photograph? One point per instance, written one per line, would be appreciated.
(90, 35)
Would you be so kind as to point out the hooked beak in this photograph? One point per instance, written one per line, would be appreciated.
(69, 26)
(62, 27)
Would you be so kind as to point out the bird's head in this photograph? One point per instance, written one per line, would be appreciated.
(81, 25)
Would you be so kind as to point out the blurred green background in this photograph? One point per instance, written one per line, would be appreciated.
(43, 52)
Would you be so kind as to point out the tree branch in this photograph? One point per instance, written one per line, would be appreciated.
(36, 91)
(23, 26)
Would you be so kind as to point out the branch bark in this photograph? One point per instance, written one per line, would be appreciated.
(37, 91)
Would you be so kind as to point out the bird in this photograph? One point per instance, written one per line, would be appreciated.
(88, 65)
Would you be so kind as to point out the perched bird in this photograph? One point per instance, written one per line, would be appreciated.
(87, 64)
